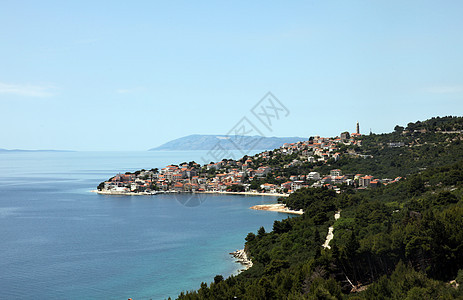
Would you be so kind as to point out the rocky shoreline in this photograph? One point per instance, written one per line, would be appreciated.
(242, 258)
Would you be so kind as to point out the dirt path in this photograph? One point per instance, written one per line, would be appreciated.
(330, 234)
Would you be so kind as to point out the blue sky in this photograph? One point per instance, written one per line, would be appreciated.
(131, 75)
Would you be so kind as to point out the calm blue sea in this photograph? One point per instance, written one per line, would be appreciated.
(60, 241)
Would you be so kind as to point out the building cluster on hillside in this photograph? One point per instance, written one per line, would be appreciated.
(238, 175)
(320, 149)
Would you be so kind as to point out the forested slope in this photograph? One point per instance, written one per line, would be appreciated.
(400, 241)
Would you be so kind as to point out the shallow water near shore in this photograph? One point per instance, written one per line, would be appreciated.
(60, 241)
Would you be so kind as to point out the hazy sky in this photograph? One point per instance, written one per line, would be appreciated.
(130, 75)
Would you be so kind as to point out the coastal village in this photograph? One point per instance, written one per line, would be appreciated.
(271, 172)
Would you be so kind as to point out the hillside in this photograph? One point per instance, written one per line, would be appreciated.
(403, 240)
(208, 142)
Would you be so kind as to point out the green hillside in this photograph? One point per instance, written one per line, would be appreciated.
(400, 241)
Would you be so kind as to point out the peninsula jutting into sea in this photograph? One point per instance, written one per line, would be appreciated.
(278, 173)
(398, 192)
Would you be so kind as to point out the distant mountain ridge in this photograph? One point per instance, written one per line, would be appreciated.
(232, 142)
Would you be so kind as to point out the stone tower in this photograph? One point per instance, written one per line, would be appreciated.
(358, 127)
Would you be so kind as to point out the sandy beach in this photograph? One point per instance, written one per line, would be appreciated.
(277, 208)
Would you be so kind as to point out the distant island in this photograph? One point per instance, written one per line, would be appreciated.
(231, 142)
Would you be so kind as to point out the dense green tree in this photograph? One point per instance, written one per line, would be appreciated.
(101, 186)
(261, 232)
(218, 279)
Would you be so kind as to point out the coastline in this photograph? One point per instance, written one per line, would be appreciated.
(242, 258)
(117, 193)
(120, 193)
(277, 208)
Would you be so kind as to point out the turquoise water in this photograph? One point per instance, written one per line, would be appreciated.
(60, 241)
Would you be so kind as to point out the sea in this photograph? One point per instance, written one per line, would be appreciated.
(59, 240)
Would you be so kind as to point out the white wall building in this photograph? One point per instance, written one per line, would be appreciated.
(313, 176)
